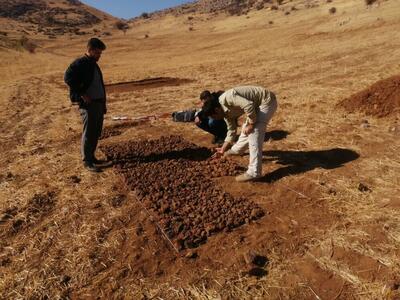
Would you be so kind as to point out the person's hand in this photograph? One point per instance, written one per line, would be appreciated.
(197, 120)
(249, 128)
(219, 152)
(86, 99)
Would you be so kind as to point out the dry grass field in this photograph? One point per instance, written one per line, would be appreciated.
(331, 190)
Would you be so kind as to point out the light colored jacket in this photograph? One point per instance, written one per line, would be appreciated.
(239, 101)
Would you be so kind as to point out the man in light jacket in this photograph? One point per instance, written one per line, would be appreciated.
(258, 105)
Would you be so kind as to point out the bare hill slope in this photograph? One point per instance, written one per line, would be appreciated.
(49, 17)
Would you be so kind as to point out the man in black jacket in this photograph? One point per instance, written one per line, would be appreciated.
(86, 84)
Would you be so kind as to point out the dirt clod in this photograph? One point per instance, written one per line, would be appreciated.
(253, 258)
(257, 272)
(65, 279)
(363, 188)
(74, 179)
(118, 200)
(191, 255)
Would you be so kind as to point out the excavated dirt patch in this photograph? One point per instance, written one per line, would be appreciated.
(172, 178)
(381, 99)
(123, 87)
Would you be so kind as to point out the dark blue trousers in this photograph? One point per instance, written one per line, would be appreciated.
(215, 127)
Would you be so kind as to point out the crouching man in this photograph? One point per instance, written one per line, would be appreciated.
(258, 105)
(216, 127)
(86, 84)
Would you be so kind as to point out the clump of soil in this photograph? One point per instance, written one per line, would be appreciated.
(172, 178)
(381, 99)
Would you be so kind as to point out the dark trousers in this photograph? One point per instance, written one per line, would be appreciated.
(92, 118)
(215, 127)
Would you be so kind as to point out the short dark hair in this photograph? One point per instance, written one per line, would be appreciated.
(205, 95)
(95, 43)
(209, 106)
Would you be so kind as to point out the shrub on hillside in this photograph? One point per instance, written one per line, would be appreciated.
(332, 10)
(121, 25)
(370, 2)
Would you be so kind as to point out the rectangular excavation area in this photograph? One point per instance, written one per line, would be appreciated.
(172, 178)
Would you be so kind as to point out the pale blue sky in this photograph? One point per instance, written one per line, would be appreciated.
(132, 8)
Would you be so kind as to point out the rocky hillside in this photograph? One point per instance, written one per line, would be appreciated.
(231, 7)
(50, 17)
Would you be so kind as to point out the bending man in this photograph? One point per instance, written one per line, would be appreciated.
(258, 105)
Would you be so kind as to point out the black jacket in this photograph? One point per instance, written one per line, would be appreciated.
(79, 76)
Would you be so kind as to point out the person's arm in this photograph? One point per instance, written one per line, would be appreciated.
(230, 137)
(231, 125)
(73, 78)
(250, 111)
(247, 106)
(198, 117)
(87, 99)
(104, 89)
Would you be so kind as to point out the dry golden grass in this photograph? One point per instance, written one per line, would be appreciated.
(346, 242)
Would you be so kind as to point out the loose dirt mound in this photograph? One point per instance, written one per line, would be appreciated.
(381, 99)
(172, 178)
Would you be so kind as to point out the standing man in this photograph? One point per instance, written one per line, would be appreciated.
(86, 84)
(258, 105)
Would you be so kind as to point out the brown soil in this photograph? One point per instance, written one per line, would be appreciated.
(381, 99)
(14, 220)
(122, 87)
(117, 129)
(172, 178)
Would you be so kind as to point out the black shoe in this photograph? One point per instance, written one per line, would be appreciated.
(103, 163)
(92, 168)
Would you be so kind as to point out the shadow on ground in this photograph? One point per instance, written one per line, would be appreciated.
(276, 135)
(297, 162)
